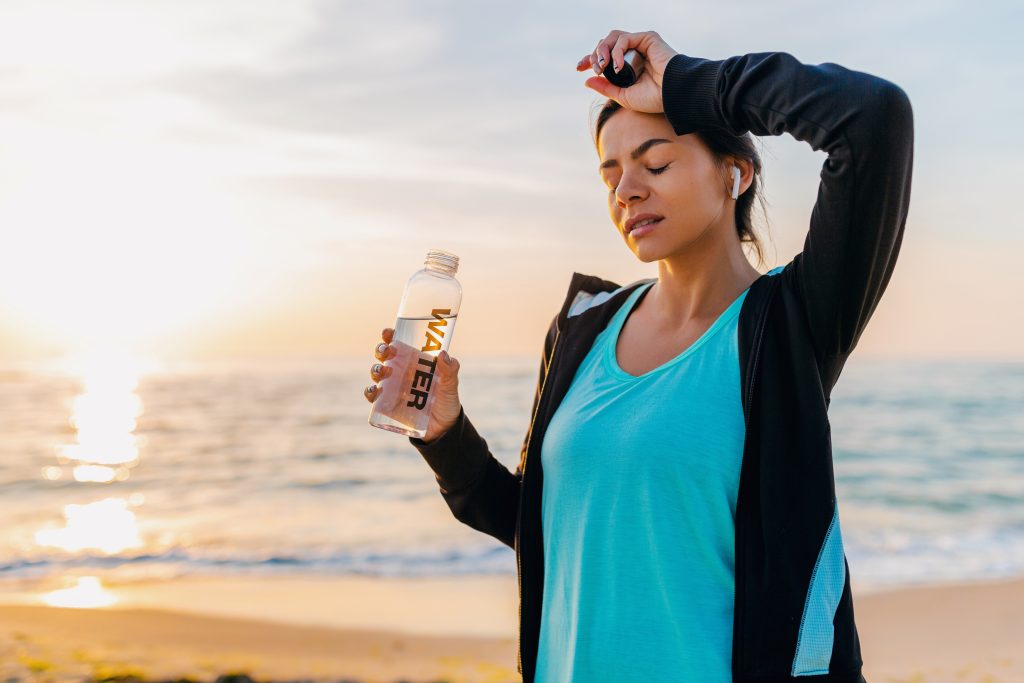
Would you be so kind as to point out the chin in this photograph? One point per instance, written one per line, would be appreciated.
(648, 251)
(648, 256)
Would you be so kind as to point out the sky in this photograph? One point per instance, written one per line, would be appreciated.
(259, 179)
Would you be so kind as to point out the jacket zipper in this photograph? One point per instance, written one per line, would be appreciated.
(746, 426)
(529, 437)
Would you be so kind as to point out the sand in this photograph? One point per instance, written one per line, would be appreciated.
(433, 630)
(962, 633)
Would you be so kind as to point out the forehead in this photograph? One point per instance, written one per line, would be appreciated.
(626, 129)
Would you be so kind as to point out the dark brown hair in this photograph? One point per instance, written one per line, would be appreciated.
(721, 143)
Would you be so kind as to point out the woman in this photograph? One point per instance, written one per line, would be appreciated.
(679, 520)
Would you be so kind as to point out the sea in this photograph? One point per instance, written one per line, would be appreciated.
(268, 467)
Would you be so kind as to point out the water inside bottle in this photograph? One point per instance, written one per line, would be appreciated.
(404, 402)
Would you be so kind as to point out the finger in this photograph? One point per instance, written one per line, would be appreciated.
(450, 375)
(371, 392)
(622, 43)
(383, 351)
(387, 334)
(603, 86)
(596, 58)
(602, 53)
(601, 56)
(583, 63)
(379, 371)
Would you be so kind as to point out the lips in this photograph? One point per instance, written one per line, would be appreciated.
(639, 218)
(642, 229)
(644, 223)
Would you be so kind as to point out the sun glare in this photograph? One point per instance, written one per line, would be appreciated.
(117, 245)
(104, 417)
(87, 593)
(106, 525)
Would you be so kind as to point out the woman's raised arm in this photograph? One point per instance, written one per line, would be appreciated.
(865, 125)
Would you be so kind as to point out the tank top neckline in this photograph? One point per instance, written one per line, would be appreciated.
(618, 322)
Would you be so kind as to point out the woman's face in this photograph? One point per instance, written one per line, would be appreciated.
(673, 176)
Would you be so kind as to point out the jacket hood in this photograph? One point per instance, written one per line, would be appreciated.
(586, 291)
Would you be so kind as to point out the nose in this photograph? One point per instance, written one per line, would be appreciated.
(629, 189)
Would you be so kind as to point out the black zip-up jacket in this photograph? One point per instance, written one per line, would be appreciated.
(793, 617)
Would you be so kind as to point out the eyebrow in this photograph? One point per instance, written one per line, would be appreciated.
(635, 154)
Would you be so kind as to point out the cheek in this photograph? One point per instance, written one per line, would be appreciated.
(683, 182)
(613, 204)
(688, 193)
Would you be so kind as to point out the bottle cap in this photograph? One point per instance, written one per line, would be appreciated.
(632, 67)
(443, 260)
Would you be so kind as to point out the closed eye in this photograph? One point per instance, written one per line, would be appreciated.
(655, 171)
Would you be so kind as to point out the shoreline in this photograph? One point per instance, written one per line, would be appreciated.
(452, 629)
(450, 606)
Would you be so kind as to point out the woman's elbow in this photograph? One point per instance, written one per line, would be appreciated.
(894, 114)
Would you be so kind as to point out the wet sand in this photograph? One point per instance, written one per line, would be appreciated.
(434, 630)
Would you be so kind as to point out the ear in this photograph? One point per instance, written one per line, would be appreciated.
(726, 170)
(729, 175)
(746, 169)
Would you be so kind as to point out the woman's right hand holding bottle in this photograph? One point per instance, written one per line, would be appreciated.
(445, 404)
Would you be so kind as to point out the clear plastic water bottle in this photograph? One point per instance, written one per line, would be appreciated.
(426, 320)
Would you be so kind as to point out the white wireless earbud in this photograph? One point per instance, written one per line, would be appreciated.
(735, 182)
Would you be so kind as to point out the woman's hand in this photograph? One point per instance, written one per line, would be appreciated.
(444, 396)
(645, 94)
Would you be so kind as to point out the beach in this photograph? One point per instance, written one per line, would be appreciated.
(456, 630)
(219, 519)
(212, 218)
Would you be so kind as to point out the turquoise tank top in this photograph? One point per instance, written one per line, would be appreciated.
(641, 475)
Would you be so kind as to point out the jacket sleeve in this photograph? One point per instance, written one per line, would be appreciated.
(545, 361)
(865, 125)
(480, 491)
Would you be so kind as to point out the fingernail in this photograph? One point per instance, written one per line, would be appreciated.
(445, 357)
(617, 67)
(382, 347)
(377, 367)
(371, 388)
